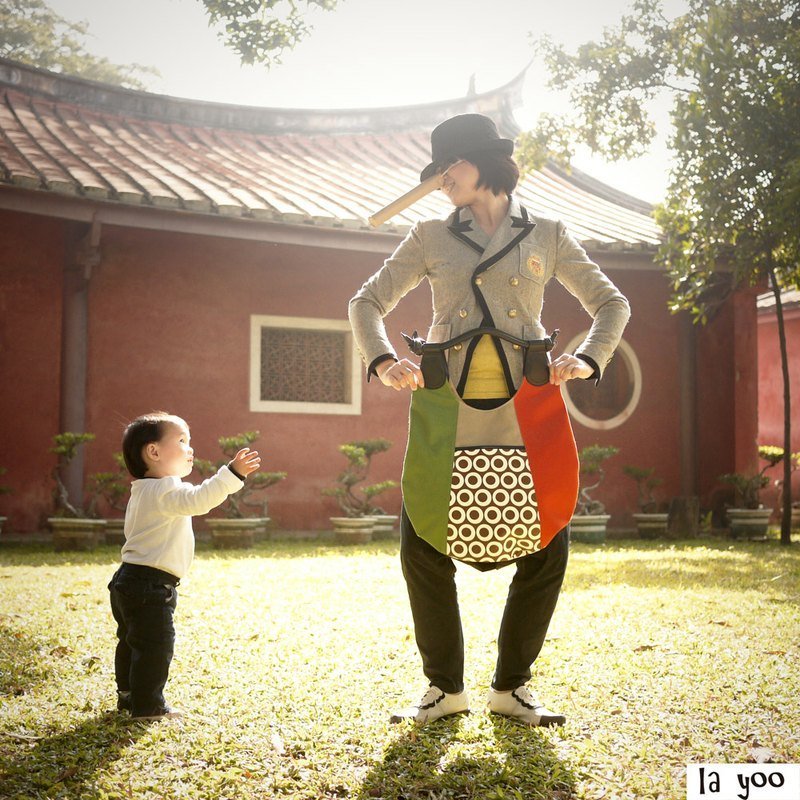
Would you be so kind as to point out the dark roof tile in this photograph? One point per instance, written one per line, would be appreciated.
(69, 136)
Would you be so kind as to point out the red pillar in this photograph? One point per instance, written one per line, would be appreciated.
(81, 256)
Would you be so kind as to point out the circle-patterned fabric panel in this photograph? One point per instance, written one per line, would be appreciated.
(494, 515)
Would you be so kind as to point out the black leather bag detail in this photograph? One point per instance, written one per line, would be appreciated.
(433, 364)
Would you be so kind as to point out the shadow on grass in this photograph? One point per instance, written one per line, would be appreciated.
(21, 664)
(447, 760)
(67, 763)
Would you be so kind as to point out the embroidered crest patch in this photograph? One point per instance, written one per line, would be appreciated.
(535, 266)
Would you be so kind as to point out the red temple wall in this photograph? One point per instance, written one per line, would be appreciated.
(770, 391)
(169, 327)
(31, 258)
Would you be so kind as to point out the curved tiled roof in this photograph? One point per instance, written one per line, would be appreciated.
(70, 136)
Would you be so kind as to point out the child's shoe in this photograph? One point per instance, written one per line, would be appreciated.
(162, 713)
(434, 704)
(123, 701)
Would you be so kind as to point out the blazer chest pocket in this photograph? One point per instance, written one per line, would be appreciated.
(532, 263)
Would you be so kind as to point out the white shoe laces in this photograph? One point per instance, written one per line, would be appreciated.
(524, 696)
(430, 697)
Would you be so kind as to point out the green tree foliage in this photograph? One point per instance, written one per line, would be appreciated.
(32, 33)
(732, 71)
(111, 487)
(591, 460)
(646, 482)
(359, 457)
(748, 487)
(260, 31)
(250, 498)
(65, 446)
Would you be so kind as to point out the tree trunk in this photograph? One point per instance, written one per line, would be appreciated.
(786, 513)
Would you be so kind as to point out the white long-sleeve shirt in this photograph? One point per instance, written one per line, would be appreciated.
(158, 519)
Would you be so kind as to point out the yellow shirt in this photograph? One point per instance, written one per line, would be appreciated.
(485, 378)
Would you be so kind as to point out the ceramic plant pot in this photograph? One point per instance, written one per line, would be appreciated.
(590, 528)
(352, 530)
(384, 526)
(115, 531)
(70, 533)
(651, 526)
(747, 522)
(233, 533)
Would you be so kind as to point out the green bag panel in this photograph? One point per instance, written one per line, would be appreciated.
(428, 465)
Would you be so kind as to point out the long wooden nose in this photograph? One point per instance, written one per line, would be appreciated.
(404, 201)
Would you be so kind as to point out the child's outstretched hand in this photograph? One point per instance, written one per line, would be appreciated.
(246, 461)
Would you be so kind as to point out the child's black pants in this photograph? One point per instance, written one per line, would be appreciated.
(143, 601)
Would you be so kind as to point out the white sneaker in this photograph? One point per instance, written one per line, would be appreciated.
(434, 704)
(522, 705)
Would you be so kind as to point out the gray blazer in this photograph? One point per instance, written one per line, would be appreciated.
(475, 279)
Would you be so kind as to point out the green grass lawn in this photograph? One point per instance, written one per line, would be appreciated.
(291, 656)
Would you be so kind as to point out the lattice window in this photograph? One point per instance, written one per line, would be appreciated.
(303, 365)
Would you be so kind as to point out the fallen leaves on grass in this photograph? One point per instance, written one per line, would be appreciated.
(290, 658)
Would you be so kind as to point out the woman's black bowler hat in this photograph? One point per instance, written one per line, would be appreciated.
(460, 136)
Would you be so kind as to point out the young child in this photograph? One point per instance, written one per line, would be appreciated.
(158, 549)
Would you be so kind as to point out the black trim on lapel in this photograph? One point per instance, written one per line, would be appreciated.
(516, 222)
(462, 381)
(526, 227)
(458, 227)
(521, 222)
(501, 353)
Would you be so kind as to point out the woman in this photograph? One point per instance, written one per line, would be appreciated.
(487, 265)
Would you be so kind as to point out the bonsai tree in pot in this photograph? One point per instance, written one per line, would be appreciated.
(748, 516)
(354, 500)
(73, 528)
(246, 511)
(3, 490)
(113, 488)
(649, 521)
(589, 521)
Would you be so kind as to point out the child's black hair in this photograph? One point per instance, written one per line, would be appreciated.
(139, 433)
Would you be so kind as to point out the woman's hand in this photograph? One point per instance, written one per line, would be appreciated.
(246, 461)
(403, 374)
(566, 367)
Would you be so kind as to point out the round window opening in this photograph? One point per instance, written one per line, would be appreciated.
(609, 403)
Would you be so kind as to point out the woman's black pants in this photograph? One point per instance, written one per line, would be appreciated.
(532, 597)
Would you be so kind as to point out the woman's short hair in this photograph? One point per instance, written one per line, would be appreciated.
(141, 432)
(497, 172)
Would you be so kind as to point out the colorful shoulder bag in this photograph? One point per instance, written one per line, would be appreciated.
(489, 485)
